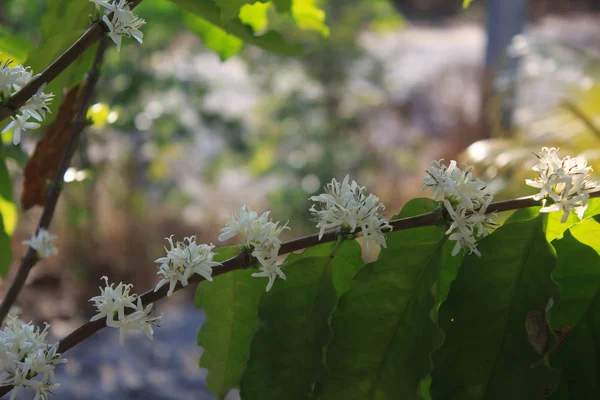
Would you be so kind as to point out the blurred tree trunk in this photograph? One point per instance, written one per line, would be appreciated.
(505, 20)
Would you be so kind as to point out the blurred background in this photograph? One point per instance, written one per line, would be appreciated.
(181, 138)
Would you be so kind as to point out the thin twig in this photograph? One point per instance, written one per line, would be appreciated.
(31, 257)
(244, 260)
(85, 41)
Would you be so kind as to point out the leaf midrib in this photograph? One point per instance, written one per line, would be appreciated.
(439, 245)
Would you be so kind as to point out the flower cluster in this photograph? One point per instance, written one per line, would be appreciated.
(43, 243)
(345, 206)
(123, 23)
(12, 79)
(261, 236)
(465, 199)
(122, 311)
(566, 181)
(183, 260)
(26, 359)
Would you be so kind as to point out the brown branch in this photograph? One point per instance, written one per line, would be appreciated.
(85, 41)
(244, 260)
(31, 257)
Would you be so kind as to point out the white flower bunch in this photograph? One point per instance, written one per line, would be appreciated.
(12, 79)
(43, 242)
(344, 205)
(183, 260)
(261, 236)
(124, 22)
(121, 310)
(566, 181)
(24, 356)
(465, 199)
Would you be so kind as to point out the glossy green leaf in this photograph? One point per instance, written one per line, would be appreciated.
(230, 303)
(578, 274)
(488, 353)
(271, 41)
(63, 23)
(383, 331)
(287, 351)
(215, 38)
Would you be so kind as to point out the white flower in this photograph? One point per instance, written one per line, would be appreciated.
(465, 199)
(139, 320)
(19, 125)
(466, 224)
(344, 205)
(25, 358)
(566, 182)
(121, 311)
(101, 3)
(42, 242)
(261, 236)
(124, 23)
(270, 270)
(112, 302)
(455, 184)
(184, 260)
(37, 105)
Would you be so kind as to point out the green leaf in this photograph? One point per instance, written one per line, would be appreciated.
(287, 351)
(230, 303)
(13, 47)
(230, 9)
(467, 3)
(215, 38)
(271, 41)
(5, 251)
(578, 274)
(555, 228)
(487, 352)
(309, 17)
(283, 5)
(383, 330)
(63, 23)
(8, 209)
(255, 15)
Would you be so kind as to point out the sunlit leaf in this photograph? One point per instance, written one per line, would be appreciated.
(255, 15)
(309, 17)
(8, 216)
(271, 41)
(578, 311)
(13, 47)
(215, 38)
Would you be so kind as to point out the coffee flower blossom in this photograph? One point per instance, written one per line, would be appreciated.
(43, 242)
(564, 181)
(183, 260)
(345, 205)
(26, 359)
(123, 23)
(12, 79)
(465, 200)
(123, 310)
(261, 235)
